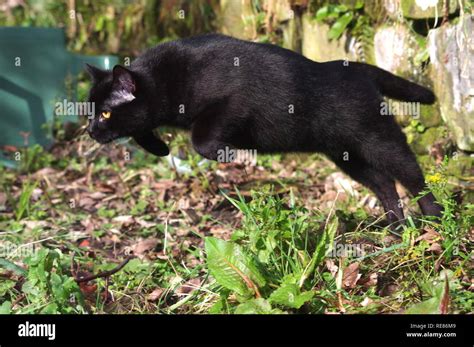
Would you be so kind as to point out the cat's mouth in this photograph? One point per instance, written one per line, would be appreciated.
(104, 139)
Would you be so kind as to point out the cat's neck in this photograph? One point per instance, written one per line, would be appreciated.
(162, 73)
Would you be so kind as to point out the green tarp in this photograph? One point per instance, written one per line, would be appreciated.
(36, 71)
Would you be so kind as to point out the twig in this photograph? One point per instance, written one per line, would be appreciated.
(18, 299)
(446, 12)
(246, 174)
(105, 273)
(73, 266)
(165, 241)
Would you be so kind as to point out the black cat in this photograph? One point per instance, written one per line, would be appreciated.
(249, 95)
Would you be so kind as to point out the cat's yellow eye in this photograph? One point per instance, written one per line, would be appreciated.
(106, 115)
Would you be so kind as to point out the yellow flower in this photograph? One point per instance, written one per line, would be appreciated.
(436, 178)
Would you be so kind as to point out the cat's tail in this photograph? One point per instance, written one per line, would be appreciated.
(397, 87)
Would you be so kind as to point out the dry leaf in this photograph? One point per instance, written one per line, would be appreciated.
(435, 248)
(36, 194)
(97, 195)
(85, 243)
(189, 286)
(351, 275)
(366, 302)
(370, 281)
(87, 289)
(125, 221)
(144, 246)
(192, 216)
(332, 267)
(88, 224)
(429, 236)
(155, 294)
(341, 183)
(86, 203)
(32, 224)
(144, 223)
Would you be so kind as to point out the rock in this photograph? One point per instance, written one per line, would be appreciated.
(422, 143)
(238, 19)
(292, 34)
(316, 45)
(430, 115)
(452, 60)
(283, 11)
(460, 165)
(419, 9)
(392, 8)
(395, 49)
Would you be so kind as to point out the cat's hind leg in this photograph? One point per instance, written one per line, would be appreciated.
(381, 184)
(406, 170)
(393, 156)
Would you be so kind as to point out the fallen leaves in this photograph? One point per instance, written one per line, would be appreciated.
(366, 302)
(332, 267)
(432, 238)
(97, 195)
(85, 243)
(191, 215)
(143, 246)
(87, 203)
(155, 295)
(178, 211)
(351, 275)
(369, 281)
(342, 184)
(125, 220)
(189, 286)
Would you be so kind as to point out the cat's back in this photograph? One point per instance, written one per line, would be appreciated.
(214, 60)
(223, 46)
(230, 57)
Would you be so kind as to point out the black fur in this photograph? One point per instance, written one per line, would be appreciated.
(240, 94)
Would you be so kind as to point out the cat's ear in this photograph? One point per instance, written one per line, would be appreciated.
(96, 73)
(123, 85)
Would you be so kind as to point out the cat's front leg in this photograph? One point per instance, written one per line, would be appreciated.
(151, 143)
(216, 150)
(208, 140)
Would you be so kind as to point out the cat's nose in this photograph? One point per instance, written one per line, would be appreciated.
(91, 129)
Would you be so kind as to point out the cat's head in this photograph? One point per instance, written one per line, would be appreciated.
(121, 107)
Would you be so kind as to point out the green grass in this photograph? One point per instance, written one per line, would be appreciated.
(221, 239)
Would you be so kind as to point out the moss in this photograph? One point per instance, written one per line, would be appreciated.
(411, 10)
(430, 115)
(460, 165)
(425, 160)
(422, 142)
